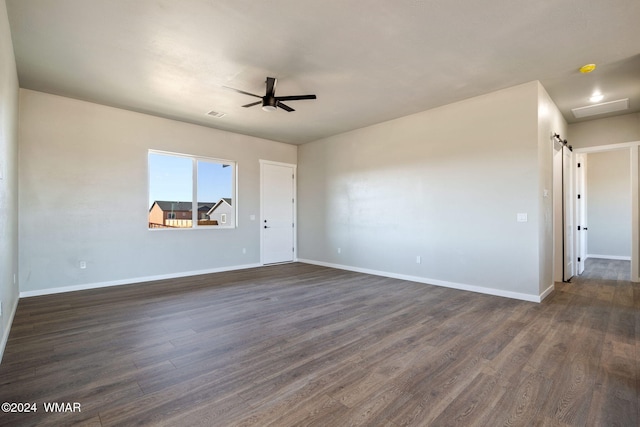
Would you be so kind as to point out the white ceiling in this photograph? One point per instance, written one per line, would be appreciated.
(368, 61)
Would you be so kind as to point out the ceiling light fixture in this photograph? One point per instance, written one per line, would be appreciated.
(585, 69)
(270, 102)
(596, 97)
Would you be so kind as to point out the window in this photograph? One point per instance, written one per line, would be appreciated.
(191, 192)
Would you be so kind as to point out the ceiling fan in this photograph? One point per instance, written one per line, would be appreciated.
(270, 102)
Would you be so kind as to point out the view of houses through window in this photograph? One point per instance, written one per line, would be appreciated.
(189, 192)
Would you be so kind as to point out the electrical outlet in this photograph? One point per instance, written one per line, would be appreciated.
(339, 250)
(244, 250)
(83, 264)
(418, 259)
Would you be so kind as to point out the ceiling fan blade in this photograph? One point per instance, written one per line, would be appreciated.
(242, 92)
(271, 86)
(295, 97)
(285, 107)
(252, 104)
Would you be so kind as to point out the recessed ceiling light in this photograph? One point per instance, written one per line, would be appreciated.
(587, 68)
(596, 97)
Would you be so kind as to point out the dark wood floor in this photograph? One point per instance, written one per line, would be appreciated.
(306, 345)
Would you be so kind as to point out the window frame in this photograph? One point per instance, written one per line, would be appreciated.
(194, 189)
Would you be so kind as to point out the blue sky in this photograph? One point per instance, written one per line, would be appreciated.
(170, 178)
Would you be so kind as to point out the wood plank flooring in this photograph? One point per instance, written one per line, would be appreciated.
(300, 344)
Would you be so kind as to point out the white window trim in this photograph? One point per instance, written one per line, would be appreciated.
(194, 201)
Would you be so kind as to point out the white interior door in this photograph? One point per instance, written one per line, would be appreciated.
(581, 211)
(568, 184)
(277, 219)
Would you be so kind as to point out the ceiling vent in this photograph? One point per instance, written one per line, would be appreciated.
(605, 107)
(216, 114)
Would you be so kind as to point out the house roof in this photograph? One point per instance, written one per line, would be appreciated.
(226, 200)
(367, 62)
(169, 206)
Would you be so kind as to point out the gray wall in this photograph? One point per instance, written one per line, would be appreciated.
(8, 177)
(550, 122)
(445, 184)
(83, 195)
(609, 204)
(611, 130)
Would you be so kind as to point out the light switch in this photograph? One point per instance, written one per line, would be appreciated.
(522, 217)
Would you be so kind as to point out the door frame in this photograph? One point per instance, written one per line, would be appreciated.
(635, 205)
(581, 211)
(569, 235)
(294, 167)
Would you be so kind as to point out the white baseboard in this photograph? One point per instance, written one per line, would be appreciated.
(547, 291)
(613, 257)
(5, 335)
(96, 285)
(435, 282)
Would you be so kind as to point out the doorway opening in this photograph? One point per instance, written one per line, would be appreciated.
(609, 222)
(608, 205)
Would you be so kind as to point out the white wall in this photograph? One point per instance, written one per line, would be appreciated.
(445, 184)
(83, 195)
(8, 177)
(609, 204)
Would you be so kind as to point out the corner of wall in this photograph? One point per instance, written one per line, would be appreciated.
(550, 121)
(9, 90)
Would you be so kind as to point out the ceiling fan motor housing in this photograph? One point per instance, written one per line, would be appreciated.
(269, 103)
